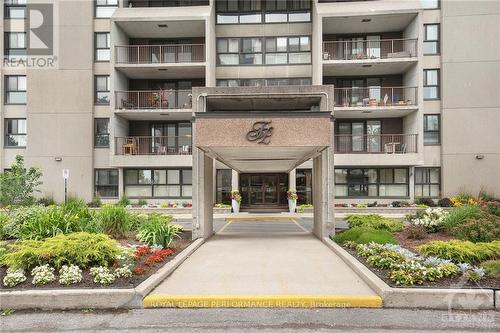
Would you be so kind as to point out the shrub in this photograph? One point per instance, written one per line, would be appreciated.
(425, 201)
(114, 220)
(492, 268)
(445, 202)
(363, 235)
(46, 201)
(3, 222)
(463, 199)
(461, 251)
(124, 201)
(96, 202)
(142, 202)
(475, 274)
(374, 221)
(459, 214)
(493, 208)
(49, 222)
(81, 249)
(416, 232)
(432, 219)
(19, 183)
(396, 204)
(17, 217)
(484, 229)
(159, 230)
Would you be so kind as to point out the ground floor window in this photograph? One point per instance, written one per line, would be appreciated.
(371, 182)
(427, 182)
(106, 183)
(223, 186)
(158, 183)
(304, 186)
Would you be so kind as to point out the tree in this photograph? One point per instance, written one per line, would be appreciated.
(18, 184)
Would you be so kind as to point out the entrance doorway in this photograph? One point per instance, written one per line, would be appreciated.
(264, 191)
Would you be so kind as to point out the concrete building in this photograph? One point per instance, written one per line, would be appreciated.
(184, 100)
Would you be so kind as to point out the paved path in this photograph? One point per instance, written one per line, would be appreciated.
(252, 320)
(263, 258)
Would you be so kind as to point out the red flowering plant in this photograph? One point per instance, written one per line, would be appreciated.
(158, 256)
(142, 251)
(139, 270)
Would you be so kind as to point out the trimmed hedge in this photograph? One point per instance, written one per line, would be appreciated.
(363, 235)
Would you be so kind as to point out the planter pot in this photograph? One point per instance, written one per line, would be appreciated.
(292, 205)
(236, 206)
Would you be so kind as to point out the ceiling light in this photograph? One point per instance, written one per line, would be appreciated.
(366, 66)
(162, 26)
(163, 69)
(164, 114)
(366, 20)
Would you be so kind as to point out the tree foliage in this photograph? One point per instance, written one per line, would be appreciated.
(19, 183)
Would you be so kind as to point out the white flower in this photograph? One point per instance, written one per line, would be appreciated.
(123, 272)
(14, 277)
(70, 275)
(102, 275)
(42, 275)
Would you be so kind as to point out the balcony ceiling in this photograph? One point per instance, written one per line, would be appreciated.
(174, 29)
(367, 67)
(378, 23)
(163, 71)
(265, 103)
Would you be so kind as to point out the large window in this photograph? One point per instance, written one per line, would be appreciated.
(373, 182)
(258, 11)
(223, 186)
(101, 132)
(427, 182)
(432, 129)
(430, 4)
(102, 90)
(160, 183)
(431, 38)
(15, 45)
(276, 51)
(15, 9)
(304, 186)
(106, 183)
(105, 8)
(15, 89)
(264, 82)
(431, 84)
(102, 46)
(15, 133)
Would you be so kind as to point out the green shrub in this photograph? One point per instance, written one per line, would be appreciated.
(374, 221)
(142, 202)
(302, 208)
(363, 235)
(114, 220)
(485, 229)
(493, 208)
(492, 268)
(458, 215)
(416, 232)
(159, 230)
(137, 220)
(461, 251)
(18, 217)
(124, 201)
(3, 250)
(96, 202)
(46, 201)
(3, 222)
(81, 249)
(445, 202)
(19, 184)
(426, 202)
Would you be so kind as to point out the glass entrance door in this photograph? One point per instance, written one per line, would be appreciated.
(259, 190)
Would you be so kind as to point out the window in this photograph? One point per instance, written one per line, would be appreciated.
(431, 84)
(106, 183)
(15, 91)
(275, 51)
(102, 46)
(101, 132)
(431, 38)
(15, 9)
(223, 186)
(105, 8)
(304, 186)
(278, 11)
(361, 182)
(432, 129)
(430, 4)
(257, 11)
(15, 132)
(102, 90)
(15, 45)
(159, 183)
(427, 182)
(243, 11)
(264, 82)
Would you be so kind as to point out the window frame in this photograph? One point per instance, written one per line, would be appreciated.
(97, 6)
(7, 90)
(437, 41)
(96, 91)
(427, 181)
(101, 135)
(437, 86)
(96, 185)
(8, 134)
(438, 131)
(262, 12)
(97, 48)
(8, 4)
(153, 183)
(377, 184)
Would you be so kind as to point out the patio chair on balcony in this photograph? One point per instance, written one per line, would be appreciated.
(130, 147)
(127, 104)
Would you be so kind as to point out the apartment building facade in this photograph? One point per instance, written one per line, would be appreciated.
(149, 98)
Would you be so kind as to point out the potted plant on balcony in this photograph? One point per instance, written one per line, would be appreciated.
(235, 201)
(372, 102)
(292, 200)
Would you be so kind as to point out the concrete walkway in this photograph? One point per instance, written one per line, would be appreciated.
(262, 258)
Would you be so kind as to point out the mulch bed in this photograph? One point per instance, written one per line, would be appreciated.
(178, 245)
(411, 244)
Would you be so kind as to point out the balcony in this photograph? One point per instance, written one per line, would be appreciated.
(369, 57)
(152, 99)
(164, 3)
(375, 101)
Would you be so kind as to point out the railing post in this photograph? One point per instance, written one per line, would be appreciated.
(392, 45)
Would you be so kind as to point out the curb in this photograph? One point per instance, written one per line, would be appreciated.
(262, 301)
(449, 299)
(60, 299)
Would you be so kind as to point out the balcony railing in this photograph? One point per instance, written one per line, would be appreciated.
(160, 54)
(154, 99)
(153, 145)
(369, 49)
(375, 96)
(164, 3)
(376, 144)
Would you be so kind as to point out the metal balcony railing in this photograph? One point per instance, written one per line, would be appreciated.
(160, 54)
(153, 145)
(369, 49)
(375, 96)
(375, 144)
(164, 3)
(153, 99)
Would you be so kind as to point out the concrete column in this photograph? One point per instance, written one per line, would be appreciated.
(411, 183)
(121, 183)
(235, 180)
(324, 220)
(203, 195)
(292, 180)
